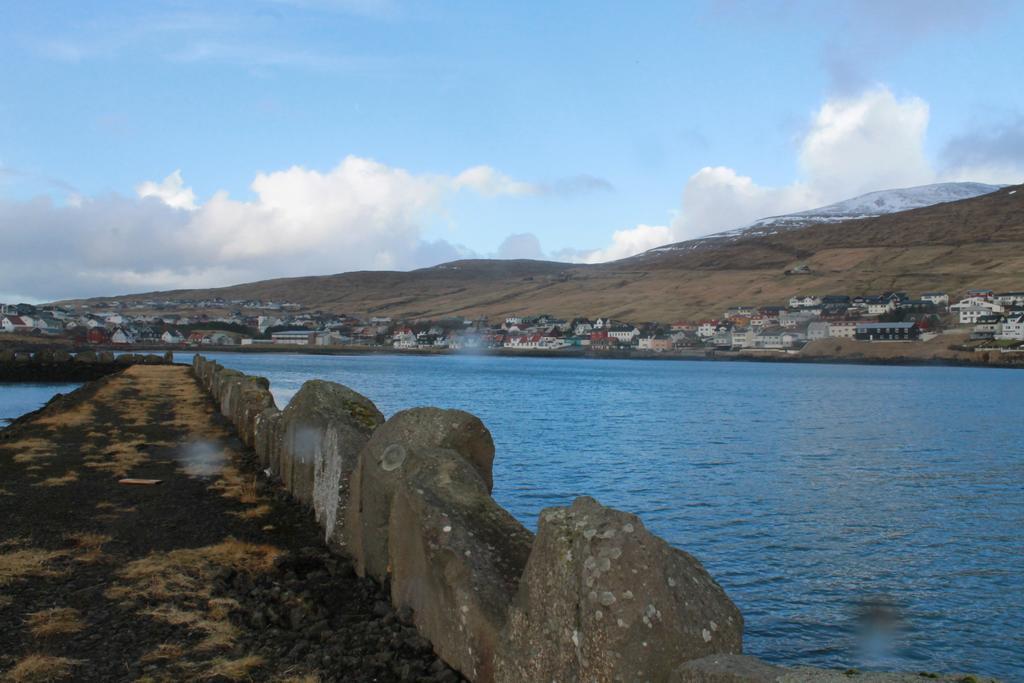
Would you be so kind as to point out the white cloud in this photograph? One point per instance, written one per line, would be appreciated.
(359, 215)
(171, 191)
(626, 243)
(491, 183)
(869, 142)
(520, 246)
(853, 145)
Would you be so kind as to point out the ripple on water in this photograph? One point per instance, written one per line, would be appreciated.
(808, 491)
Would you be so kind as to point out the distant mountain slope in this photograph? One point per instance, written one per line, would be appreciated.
(949, 246)
(881, 203)
(867, 205)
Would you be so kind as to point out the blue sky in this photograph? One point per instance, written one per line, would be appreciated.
(590, 130)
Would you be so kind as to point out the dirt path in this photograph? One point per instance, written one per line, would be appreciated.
(214, 574)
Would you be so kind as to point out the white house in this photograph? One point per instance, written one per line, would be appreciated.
(804, 301)
(14, 323)
(937, 298)
(742, 338)
(972, 308)
(624, 334)
(1011, 298)
(818, 329)
(122, 336)
(797, 318)
(172, 337)
(1013, 328)
(582, 327)
(842, 329)
(881, 307)
(404, 339)
(707, 328)
(295, 337)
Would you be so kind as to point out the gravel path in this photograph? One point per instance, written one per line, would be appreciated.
(213, 574)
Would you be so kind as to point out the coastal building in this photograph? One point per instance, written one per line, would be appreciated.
(121, 336)
(657, 344)
(15, 323)
(887, 331)
(843, 329)
(172, 337)
(296, 337)
(937, 298)
(1010, 298)
(624, 334)
(805, 301)
(987, 327)
(706, 329)
(1012, 329)
(972, 308)
(818, 329)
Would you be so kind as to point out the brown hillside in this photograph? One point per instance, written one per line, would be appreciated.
(976, 242)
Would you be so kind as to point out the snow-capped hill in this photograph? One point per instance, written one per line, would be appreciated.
(877, 204)
(865, 206)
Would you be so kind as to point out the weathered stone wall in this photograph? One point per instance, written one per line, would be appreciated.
(593, 597)
(62, 366)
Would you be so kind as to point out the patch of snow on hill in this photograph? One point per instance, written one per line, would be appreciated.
(879, 203)
(865, 206)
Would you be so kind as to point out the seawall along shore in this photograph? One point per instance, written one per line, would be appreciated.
(592, 596)
(60, 366)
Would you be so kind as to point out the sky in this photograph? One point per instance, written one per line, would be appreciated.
(161, 145)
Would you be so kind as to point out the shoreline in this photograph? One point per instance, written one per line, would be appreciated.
(866, 353)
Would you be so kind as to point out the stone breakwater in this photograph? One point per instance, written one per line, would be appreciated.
(593, 596)
(62, 366)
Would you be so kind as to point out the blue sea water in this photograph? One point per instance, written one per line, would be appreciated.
(18, 399)
(860, 516)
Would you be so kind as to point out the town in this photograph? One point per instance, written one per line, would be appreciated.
(994, 320)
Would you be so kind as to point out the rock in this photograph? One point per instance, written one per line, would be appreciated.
(322, 431)
(265, 441)
(456, 556)
(44, 356)
(86, 357)
(604, 599)
(104, 357)
(726, 669)
(6, 356)
(61, 357)
(377, 471)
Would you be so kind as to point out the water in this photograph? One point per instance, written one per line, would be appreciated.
(860, 516)
(16, 399)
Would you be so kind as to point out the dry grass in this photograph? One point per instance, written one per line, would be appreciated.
(232, 669)
(70, 477)
(40, 669)
(30, 450)
(180, 581)
(110, 511)
(118, 458)
(236, 486)
(186, 572)
(164, 651)
(80, 415)
(18, 564)
(304, 678)
(218, 632)
(54, 622)
(254, 513)
(88, 546)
